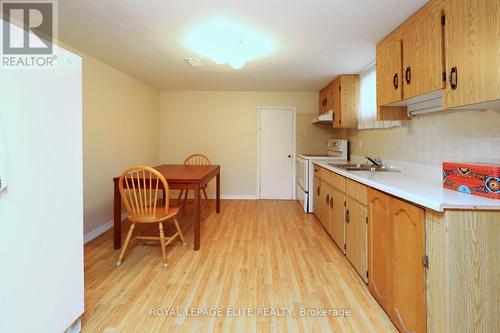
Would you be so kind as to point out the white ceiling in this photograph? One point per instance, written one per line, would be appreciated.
(316, 39)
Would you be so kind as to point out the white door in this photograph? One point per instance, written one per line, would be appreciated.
(276, 153)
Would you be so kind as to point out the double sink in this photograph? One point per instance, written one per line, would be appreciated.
(363, 167)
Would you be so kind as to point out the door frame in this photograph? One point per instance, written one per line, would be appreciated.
(294, 154)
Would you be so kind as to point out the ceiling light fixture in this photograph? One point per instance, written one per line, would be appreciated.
(227, 42)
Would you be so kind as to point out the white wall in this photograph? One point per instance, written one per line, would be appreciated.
(120, 129)
(223, 125)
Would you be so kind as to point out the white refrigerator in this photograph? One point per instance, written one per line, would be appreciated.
(41, 200)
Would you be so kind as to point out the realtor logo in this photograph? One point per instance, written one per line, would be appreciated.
(28, 30)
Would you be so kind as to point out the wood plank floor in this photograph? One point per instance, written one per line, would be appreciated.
(262, 255)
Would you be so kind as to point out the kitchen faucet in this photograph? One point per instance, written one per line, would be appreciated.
(377, 161)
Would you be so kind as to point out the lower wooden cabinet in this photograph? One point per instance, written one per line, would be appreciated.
(379, 245)
(337, 215)
(397, 247)
(408, 278)
(356, 236)
(326, 190)
(318, 208)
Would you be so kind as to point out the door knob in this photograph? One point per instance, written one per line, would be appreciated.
(289, 155)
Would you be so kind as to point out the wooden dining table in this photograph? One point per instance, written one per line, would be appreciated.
(178, 177)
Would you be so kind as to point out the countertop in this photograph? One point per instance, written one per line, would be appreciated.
(422, 191)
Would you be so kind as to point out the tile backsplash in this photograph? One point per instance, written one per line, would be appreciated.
(456, 136)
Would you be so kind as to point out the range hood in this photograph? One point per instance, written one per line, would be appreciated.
(427, 103)
(324, 118)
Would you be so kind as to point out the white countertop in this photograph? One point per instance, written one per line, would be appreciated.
(425, 192)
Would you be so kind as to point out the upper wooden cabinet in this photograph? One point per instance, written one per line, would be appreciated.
(389, 67)
(410, 60)
(447, 53)
(472, 44)
(423, 55)
(341, 97)
(325, 99)
(346, 101)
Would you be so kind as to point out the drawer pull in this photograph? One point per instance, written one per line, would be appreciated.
(453, 78)
(395, 81)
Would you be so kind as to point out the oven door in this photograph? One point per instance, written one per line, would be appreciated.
(302, 197)
(302, 171)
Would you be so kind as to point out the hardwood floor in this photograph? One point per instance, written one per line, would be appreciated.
(256, 255)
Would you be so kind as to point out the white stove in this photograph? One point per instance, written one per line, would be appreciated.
(336, 152)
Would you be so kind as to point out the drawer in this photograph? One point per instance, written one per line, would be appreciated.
(334, 179)
(357, 191)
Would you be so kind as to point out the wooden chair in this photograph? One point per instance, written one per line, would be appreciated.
(139, 187)
(195, 159)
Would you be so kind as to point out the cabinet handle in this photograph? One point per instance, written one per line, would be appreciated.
(317, 191)
(327, 199)
(408, 75)
(333, 116)
(331, 202)
(347, 216)
(395, 81)
(453, 78)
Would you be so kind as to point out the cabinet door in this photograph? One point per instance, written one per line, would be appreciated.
(356, 236)
(326, 189)
(336, 102)
(408, 278)
(329, 97)
(321, 102)
(389, 65)
(423, 62)
(472, 48)
(379, 246)
(317, 207)
(337, 220)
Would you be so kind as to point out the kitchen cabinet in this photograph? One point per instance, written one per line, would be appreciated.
(341, 97)
(407, 281)
(410, 63)
(325, 99)
(337, 215)
(318, 192)
(472, 44)
(397, 248)
(389, 68)
(379, 245)
(340, 206)
(423, 55)
(443, 57)
(356, 236)
(345, 91)
(326, 190)
(337, 207)
(356, 227)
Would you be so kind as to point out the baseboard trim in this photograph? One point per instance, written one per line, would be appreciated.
(236, 197)
(100, 230)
